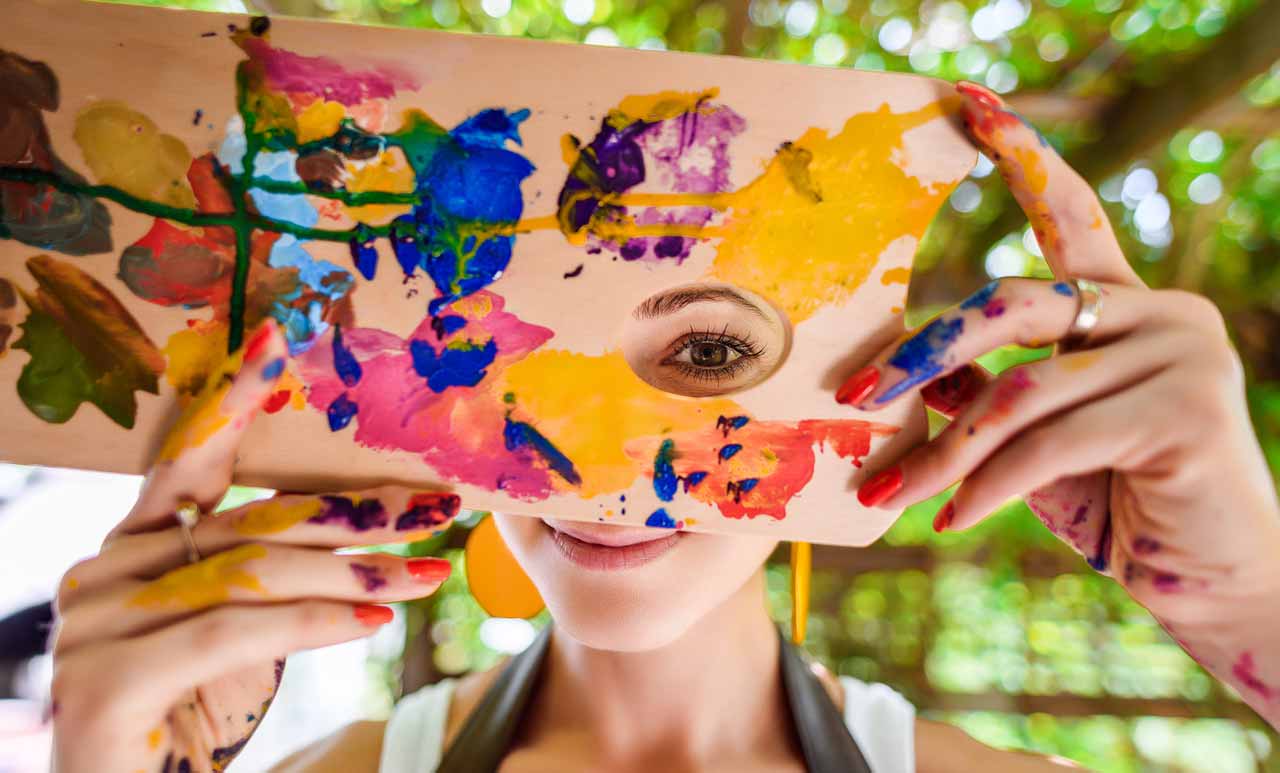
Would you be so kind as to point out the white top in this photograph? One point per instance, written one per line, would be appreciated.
(880, 720)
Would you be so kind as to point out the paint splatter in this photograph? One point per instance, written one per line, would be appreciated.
(1064, 288)
(84, 346)
(369, 576)
(1005, 396)
(660, 520)
(461, 363)
(352, 512)
(1244, 670)
(294, 74)
(922, 355)
(1145, 546)
(776, 461)
(671, 141)
(521, 437)
(428, 511)
(982, 297)
(459, 432)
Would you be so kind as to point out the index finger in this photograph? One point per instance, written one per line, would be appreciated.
(196, 459)
(1065, 213)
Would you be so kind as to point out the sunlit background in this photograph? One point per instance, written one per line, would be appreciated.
(1171, 108)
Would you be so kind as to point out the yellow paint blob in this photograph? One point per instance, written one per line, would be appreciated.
(204, 584)
(804, 253)
(155, 737)
(194, 353)
(590, 406)
(205, 415)
(652, 108)
(319, 120)
(495, 580)
(801, 572)
(895, 276)
(1031, 162)
(275, 515)
(125, 149)
(1079, 361)
(388, 173)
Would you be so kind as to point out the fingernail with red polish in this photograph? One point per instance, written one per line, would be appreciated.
(942, 521)
(373, 615)
(429, 570)
(859, 386)
(980, 94)
(880, 487)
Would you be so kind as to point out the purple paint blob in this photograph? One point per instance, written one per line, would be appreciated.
(428, 511)
(358, 516)
(687, 153)
(369, 576)
(1145, 546)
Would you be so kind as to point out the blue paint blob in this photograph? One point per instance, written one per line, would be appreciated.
(664, 473)
(729, 451)
(341, 411)
(273, 369)
(693, 479)
(920, 356)
(447, 325)
(454, 365)
(660, 520)
(1064, 288)
(519, 436)
(982, 297)
(363, 252)
(470, 187)
(727, 423)
(344, 362)
(746, 484)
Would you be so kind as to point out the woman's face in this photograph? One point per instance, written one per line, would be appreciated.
(629, 588)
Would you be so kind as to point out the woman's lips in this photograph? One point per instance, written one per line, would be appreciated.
(609, 548)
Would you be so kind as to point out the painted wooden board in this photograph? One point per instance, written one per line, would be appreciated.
(596, 283)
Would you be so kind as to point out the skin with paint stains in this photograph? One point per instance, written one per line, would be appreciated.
(1132, 444)
(210, 634)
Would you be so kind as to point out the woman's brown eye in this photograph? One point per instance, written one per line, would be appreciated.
(709, 355)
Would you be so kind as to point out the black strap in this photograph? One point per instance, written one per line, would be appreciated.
(484, 740)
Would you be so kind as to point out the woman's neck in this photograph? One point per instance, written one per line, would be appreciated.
(711, 695)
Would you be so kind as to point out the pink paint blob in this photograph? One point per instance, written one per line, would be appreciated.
(319, 75)
(1243, 671)
(459, 431)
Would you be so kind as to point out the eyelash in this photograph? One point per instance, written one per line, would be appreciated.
(745, 346)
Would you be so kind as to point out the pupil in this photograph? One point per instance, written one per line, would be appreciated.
(709, 355)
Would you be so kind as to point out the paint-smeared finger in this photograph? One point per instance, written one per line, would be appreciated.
(1026, 312)
(952, 393)
(197, 456)
(1069, 222)
(1098, 436)
(254, 573)
(148, 673)
(1016, 400)
(377, 516)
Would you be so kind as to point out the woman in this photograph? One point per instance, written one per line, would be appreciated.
(662, 655)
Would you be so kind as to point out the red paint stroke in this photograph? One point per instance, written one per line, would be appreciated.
(1243, 671)
(779, 456)
(325, 78)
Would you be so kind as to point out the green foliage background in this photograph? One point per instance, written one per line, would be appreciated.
(1000, 629)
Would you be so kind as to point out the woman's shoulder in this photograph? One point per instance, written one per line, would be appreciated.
(354, 747)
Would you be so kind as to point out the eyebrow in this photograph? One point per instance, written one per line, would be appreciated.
(669, 303)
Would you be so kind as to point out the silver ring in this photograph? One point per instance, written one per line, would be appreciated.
(1088, 312)
(188, 515)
